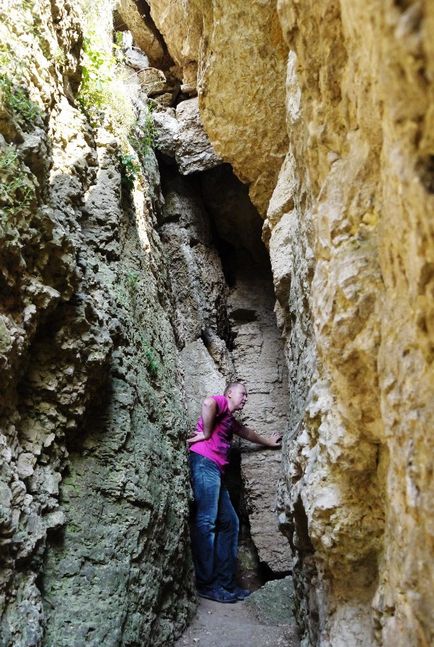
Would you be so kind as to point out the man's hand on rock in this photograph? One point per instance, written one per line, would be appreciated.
(275, 441)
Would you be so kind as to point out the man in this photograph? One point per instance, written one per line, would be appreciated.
(215, 525)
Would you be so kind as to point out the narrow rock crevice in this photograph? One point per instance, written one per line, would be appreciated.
(221, 279)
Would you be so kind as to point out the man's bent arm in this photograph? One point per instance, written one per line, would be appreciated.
(209, 411)
(272, 441)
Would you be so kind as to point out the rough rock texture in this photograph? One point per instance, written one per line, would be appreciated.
(180, 134)
(239, 56)
(194, 151)
(351, 246)
(256, 352)
(99, 285)
(183, 21)
(273, 603)
(94, 541)
(137, 20)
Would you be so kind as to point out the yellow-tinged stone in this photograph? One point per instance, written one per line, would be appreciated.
(241, 58)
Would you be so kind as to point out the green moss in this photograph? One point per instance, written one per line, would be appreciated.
(132, 279)
(17, 101)
(151, 359)
(17, 192)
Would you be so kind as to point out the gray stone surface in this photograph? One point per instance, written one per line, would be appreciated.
(93, 479)
(229, 331)
(121, 310)
(273, 604)
(194, 150)
(180, 134)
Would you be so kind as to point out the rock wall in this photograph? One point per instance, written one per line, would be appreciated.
(94, 540)
(351, 241)
(126, 298)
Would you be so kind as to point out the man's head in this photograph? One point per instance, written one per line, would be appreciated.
(236, 394)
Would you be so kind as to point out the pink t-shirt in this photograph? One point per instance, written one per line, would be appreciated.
(217, 446)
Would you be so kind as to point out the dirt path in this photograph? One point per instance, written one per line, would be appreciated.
(262, 621)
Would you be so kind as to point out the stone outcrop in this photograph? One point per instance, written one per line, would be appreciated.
(135, 17)
(350, 243)
(180, 135)
(235, 54)
(94, 487)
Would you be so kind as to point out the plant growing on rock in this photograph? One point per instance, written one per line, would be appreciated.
(152, 363)
(143, 137)
(16, 100)
(130, 168)
(103, 95)
(16, 190)
(97, 66)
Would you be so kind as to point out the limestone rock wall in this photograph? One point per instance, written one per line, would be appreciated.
(94, 488)
(235, 107)
(349, 229)
(113, 293)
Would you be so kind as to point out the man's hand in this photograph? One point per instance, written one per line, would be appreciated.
(275, 441)
(198, 435)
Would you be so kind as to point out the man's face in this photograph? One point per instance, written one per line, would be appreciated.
(238, 397)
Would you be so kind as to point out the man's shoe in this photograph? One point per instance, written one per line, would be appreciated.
(240, 594)
(218, 594)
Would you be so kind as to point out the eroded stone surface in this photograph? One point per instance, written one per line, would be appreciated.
(180, 135)
(225, 320)
(350, 245)
(94, 542)
(230, 46)
(351, 249)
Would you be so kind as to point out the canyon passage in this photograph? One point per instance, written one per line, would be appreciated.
(194, 193)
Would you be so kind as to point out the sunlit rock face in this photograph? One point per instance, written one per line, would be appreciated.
(350, 236)
(236, 54)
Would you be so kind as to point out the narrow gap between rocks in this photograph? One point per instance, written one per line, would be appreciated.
(220, 269)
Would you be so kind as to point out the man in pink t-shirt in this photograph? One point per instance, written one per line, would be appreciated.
(215, 524)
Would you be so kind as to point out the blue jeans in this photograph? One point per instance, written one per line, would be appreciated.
(215, 526)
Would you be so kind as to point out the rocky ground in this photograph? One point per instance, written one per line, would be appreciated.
(264, 619)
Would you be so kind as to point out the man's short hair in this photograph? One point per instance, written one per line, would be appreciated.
(231, 386)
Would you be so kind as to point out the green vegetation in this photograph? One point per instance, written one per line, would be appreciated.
(105, 97)
(97, 70)
(16, 190)
(152, 363)
(102, 94)
(17, 101)
(126, 292)
(132, 280)
(140, 143)
(131, 170)
(144, 137)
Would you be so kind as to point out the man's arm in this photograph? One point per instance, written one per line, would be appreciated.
(273, 441)
(209, 412)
